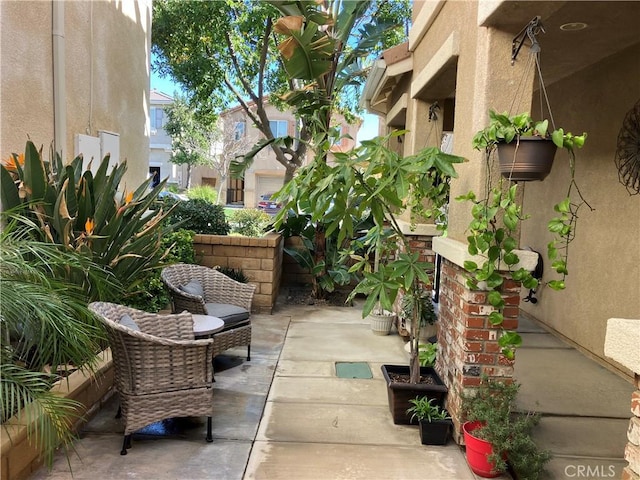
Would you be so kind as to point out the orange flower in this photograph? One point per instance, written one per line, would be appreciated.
(88, 226)
(128, 197)
(11, 163)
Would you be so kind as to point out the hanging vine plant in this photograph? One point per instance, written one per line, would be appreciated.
(497, 214)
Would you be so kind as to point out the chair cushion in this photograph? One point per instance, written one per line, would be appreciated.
(129, 322)
(231, 315)
(194, 287)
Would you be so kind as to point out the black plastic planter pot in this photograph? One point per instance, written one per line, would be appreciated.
(526, 159)
(400, 392)
(435, 432)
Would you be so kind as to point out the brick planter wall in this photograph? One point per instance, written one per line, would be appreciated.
(259, 258)
(632, 450)
(19, 457)
(292, 272)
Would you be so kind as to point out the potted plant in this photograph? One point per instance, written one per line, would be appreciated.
(496, 433)
(434, 421)
(525, 147)
(496, 218)
(428, 315)
(374, 180)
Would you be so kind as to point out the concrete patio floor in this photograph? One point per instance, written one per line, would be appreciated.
(285, 414)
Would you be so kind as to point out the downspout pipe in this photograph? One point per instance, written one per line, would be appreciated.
(59, 83)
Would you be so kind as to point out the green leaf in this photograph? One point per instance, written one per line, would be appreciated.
(470, 266)
(511, 258)
(496, 318)
(563, 206)
(557, 284)
(495, 299)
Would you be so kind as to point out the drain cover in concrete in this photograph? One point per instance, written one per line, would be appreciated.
(353, 370)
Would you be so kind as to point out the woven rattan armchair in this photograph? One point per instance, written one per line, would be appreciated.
(160, 370)
(206, 291)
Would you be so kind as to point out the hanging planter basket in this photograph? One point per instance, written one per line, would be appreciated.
(526, 158)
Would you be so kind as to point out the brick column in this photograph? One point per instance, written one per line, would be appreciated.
(621, 344)
(632, 450)
(467, 342)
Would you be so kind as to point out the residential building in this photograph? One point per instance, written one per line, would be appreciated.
(75, 75)
(461, 55)
(160, 165)
(266, 174)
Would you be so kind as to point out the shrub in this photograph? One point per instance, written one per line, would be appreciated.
(153, 295)
(204, 192)
(236, 274)
(88, 213)
(198, 215)
(250, 222)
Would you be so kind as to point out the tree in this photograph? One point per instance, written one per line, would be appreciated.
(230, 144)
(226, 52)
(189, 135)
(200, 138)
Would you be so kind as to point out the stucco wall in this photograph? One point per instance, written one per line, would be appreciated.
(106, 52)
(604, 259)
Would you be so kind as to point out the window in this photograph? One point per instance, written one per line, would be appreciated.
(279, 128)
(239, 131)
(157, 118)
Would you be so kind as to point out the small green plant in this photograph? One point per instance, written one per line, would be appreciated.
(235, 273)
(250, 222)
(203, 192)
(509, 431)
(427, 314)
(427, 354)
(424, 409)
(198, 215)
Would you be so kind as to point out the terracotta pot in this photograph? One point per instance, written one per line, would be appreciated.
(526, 159)
(477, 452)
(399, 393)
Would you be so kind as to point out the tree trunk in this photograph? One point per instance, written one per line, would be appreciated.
(223, 182)
(188, 176)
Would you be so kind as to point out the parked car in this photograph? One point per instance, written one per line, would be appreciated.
(268, 203)
(175, 196)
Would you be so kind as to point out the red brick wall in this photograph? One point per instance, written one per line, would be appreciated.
(467, 343)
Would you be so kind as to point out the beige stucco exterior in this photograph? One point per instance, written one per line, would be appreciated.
(101, 83)
(461, 57)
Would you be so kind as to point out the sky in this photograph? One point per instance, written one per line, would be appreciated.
(368, 130)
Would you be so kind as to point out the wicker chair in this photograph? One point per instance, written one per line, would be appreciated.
(206, 291)
(160, 370)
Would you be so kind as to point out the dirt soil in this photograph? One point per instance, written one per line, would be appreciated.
(302, 296)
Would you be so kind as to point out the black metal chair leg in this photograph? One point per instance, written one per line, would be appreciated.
(209, 434)
(248, 353)
(126, 443)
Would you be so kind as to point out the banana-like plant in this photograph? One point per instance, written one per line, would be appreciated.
(88, 213)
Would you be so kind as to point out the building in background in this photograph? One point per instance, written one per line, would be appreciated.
(266, 174)
(160, 165)
(75, 75)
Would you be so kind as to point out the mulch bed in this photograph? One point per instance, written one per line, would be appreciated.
(302, 296)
